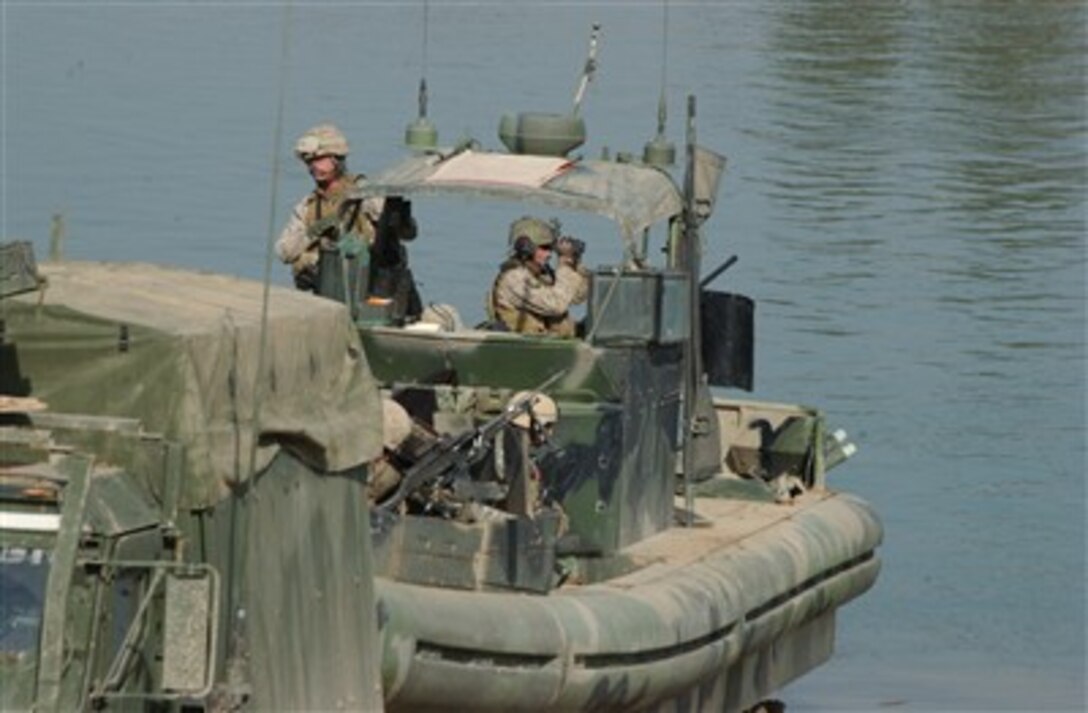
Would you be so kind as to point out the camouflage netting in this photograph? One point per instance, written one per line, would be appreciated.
(179, 350)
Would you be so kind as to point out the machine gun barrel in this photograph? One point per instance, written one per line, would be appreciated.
(452, 454)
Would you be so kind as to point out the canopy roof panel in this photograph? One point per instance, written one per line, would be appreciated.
(634, 196)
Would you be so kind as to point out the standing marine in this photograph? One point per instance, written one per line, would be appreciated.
(332, 211)
(528, 295)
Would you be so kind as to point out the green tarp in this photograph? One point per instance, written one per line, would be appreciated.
(179, 350)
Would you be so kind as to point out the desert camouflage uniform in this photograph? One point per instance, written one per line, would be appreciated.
(532, 301)
(300, 249)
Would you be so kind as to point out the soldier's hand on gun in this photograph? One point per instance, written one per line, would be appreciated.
(570, 249)
(327, 227)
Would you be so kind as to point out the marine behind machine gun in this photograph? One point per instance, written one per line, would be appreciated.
(448, 461)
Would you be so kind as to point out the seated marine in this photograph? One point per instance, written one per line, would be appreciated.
(528, 296)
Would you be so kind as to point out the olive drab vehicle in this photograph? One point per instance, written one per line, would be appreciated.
(322, 502)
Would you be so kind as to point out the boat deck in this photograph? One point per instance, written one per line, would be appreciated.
(728, 525)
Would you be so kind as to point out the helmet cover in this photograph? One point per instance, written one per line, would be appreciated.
(541, 233)
(321, 140)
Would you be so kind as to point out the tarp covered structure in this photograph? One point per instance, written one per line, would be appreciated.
(179, 350)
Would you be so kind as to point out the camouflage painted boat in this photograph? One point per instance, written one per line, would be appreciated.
(679, 552)
(267, 499)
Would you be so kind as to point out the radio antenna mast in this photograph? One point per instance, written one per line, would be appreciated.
(660, 151)
(421, 134)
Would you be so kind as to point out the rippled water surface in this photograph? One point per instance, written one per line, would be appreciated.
(906, 192)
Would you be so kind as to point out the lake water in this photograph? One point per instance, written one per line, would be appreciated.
(906, 192)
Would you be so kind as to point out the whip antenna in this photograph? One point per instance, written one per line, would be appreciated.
(237, 687)
(589, 70)
(277, 161)
(421, 134)
(660, 151)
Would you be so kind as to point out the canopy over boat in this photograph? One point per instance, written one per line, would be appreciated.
(635, 196)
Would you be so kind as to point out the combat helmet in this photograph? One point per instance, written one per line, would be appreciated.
(321, 140)
(542, 409)
(542, 233)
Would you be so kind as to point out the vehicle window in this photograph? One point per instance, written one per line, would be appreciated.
(23, 574)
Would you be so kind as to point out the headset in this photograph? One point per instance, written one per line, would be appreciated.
(524, 248)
